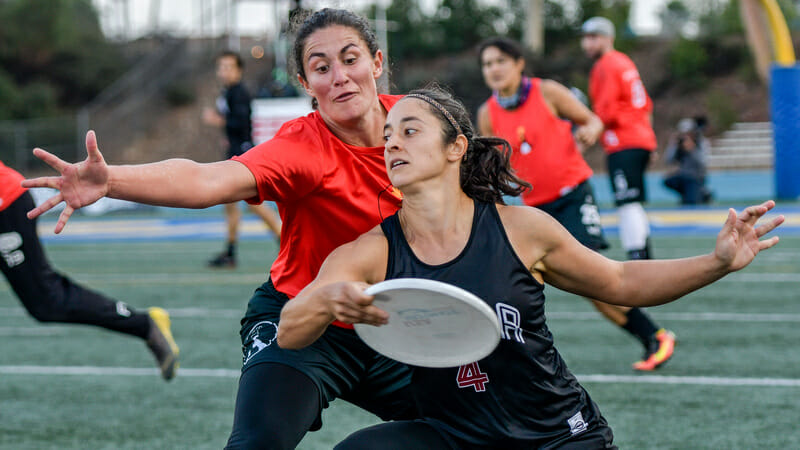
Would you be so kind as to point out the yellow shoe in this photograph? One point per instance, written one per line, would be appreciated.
(663, 352)
(161, 343)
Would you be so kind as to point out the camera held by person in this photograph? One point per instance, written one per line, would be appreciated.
(686, 153)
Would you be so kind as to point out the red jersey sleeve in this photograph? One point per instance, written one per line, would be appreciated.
(288, 166)
(10, 188)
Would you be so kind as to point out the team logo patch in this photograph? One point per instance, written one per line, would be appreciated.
(122, 310)
(9, 248)
(261, 336)
(577, 424)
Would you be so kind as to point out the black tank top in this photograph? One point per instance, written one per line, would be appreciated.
(521, 394)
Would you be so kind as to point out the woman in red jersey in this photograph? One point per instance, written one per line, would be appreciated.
(529, 113)
(326, 172)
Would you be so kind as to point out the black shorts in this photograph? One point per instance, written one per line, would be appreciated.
(339, 363)
(578, 213)
(626, 169)
(22, 257)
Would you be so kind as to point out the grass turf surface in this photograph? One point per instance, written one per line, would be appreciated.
(743, 327)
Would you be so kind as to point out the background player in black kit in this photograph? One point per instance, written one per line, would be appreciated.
(454, 228)
(233, 114)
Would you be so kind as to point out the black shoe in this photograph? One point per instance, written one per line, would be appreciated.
(161, 343)
(706, 196)
(222, 261)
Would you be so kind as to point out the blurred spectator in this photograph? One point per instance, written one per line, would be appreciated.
(233, 114)
(686, 153)
(278, 85)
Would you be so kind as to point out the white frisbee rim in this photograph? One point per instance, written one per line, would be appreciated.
(451, 360)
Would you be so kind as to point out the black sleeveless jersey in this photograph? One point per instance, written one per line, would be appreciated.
(520, 395)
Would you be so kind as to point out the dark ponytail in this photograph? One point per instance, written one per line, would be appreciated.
(486, 173)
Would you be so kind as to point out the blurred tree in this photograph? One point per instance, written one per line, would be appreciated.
(462, 24)
(410, 36)
(674, 18)
(718, 18)
(55, 55)
(688, 63)
(455, 26)
(617, 11)
(9, 95)
(721, 17)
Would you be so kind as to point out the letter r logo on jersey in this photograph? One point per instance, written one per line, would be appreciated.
(509, 318)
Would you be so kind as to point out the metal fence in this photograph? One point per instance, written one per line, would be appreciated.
(119, 113)
(59, 135)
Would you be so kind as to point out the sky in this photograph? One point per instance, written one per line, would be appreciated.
(257, 17)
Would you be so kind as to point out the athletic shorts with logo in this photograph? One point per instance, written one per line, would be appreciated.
(339, 363)
(626, 169)
(578, 213)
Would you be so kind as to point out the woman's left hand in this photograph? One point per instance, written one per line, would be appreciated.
(739, 241)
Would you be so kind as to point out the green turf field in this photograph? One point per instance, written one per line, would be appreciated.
(734, 382)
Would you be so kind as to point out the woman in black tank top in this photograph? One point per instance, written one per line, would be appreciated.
(454, 227)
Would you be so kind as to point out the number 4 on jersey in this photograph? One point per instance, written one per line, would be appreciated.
(471, 375)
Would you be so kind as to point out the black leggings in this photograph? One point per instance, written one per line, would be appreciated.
(264, 414)
(48, 295)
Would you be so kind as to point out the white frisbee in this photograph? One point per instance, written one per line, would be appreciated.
(431, 324)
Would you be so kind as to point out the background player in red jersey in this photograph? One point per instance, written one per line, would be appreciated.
(50, 296)
(620, 100)
(529, 113)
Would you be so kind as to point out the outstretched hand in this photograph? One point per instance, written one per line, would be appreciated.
(79, 185)
(739, 241)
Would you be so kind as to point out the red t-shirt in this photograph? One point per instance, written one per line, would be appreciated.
(621, 101)
(328, 193)
(10, 190)
(550, 161)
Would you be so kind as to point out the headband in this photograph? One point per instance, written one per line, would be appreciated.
(440, 108)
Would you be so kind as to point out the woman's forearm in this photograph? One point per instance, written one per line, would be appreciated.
(655, 282)
(302, 322)
(180, 183)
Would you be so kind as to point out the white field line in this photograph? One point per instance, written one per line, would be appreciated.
(114, 371)
(173, 278)
(255, 279)
(214, 313)
(32, 331)
(203, 313)
(690, 317)
(764, 277)
(231, 373)
(701, 381)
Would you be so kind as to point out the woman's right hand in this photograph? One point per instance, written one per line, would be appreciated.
(347, 302)
(79, 185)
